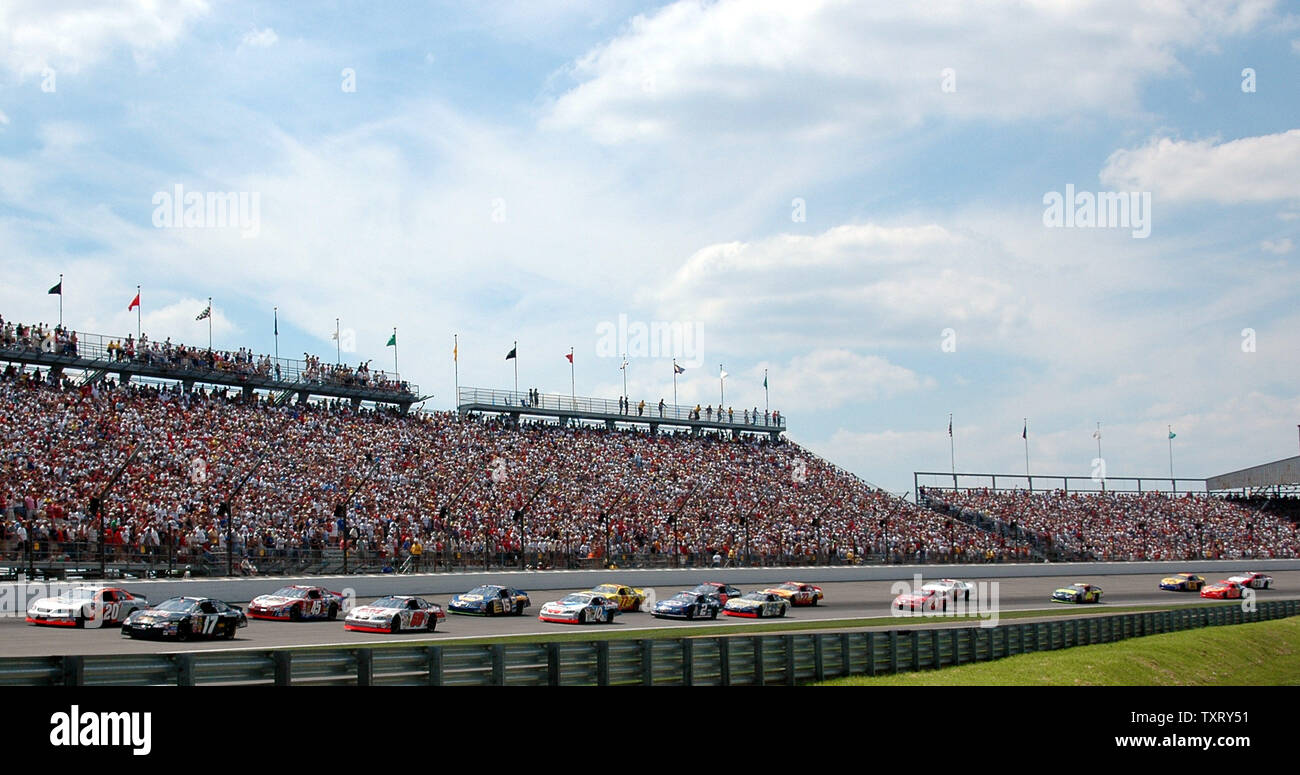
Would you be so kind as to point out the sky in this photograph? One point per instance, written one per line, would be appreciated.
(865, 201)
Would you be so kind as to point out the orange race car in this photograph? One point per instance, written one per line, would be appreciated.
(798, 593)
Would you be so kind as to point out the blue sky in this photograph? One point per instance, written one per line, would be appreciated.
(532, 171)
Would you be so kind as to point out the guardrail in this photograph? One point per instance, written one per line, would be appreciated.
(733, 660)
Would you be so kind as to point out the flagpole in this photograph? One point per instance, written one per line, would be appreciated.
(722, 387)
(277, 333)
(1099, 457)
(394, 353)
(210, 326)
(455, 366)
(338, 344)
(139, 314)
(952, 453)
(516, 360)
(766, 408)
(1171, 458)
(675, 384)
(1026, 437)
(61, 301)
(573, 383)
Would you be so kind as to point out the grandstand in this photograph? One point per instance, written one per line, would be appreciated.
(95, 356)
(1118, 518)
(189, 462)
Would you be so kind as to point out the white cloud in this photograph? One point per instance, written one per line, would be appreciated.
(831, 378)
(831, 67)
(849, 286)
(1250, 169)
(3, 118)
(71, 35)
(1278, 247)
(264, 38)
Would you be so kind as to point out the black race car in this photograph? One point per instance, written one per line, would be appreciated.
(183, 618)
(688, 605)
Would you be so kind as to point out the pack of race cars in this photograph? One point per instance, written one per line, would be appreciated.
(183, 618)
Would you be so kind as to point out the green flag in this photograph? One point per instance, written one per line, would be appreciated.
(1173, 435)
(392, 341)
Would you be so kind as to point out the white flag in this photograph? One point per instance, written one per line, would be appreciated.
(1096, 434)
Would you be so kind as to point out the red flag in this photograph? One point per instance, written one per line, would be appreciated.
(134, 303)
(569, 357)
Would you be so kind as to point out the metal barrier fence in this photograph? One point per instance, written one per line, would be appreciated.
(732, 660)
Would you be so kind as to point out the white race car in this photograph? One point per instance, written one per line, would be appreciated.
(580, 608)
(951, 588)
(395, 613)
(87, 606)
(1253, 580)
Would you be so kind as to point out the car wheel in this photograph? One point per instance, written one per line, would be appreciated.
(814, 600)
(433, 624)
(81, 621)
(519, 609)
(690, 614)
(295, 614)
(334, 611)
(230, 631)
(183, 632)
(395, 626)
(945, 604)
(782, 614)
(968, 594)
(713, 614)
(582, 617)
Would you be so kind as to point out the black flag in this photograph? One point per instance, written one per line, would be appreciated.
(511, 354)
(57, 290)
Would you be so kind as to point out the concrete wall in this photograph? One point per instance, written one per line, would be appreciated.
(244, 589)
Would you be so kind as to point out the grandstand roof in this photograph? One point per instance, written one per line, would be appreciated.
(1279, 473)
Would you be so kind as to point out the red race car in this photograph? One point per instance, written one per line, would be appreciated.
(798, 593)
(922, 600)
(87, 606)
(1223, 590)
(297, 603)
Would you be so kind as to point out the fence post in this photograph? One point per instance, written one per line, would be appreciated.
(893, 651)
(935, 661)
(283, 667)
(790, 671)
(819, 665)
(688, 661)
(498, 652)
(435, 665)
(871, 652)
(757, 640)
(74, 671)
(916, 650)
(648, 662)
(602, 663)
(724, 660)
(553, 664)
(184, 669)
(365, 667)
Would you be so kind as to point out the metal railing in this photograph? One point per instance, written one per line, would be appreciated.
(471, 398)
(733, 660)
(1114, 485)
(92, 353)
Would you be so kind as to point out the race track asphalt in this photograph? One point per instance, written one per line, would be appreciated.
(843, 600)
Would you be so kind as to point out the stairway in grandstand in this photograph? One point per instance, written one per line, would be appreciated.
(996, 527)
(92, 376)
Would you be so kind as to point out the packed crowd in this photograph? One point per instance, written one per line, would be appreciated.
(449, 485)
(165, 355)
(1132, 526)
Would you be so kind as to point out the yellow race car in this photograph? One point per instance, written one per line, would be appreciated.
(628, 598)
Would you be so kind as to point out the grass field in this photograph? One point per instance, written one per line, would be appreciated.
(1257, 654)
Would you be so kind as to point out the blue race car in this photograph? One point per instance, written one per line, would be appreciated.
(688, 605)
(490, 600)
